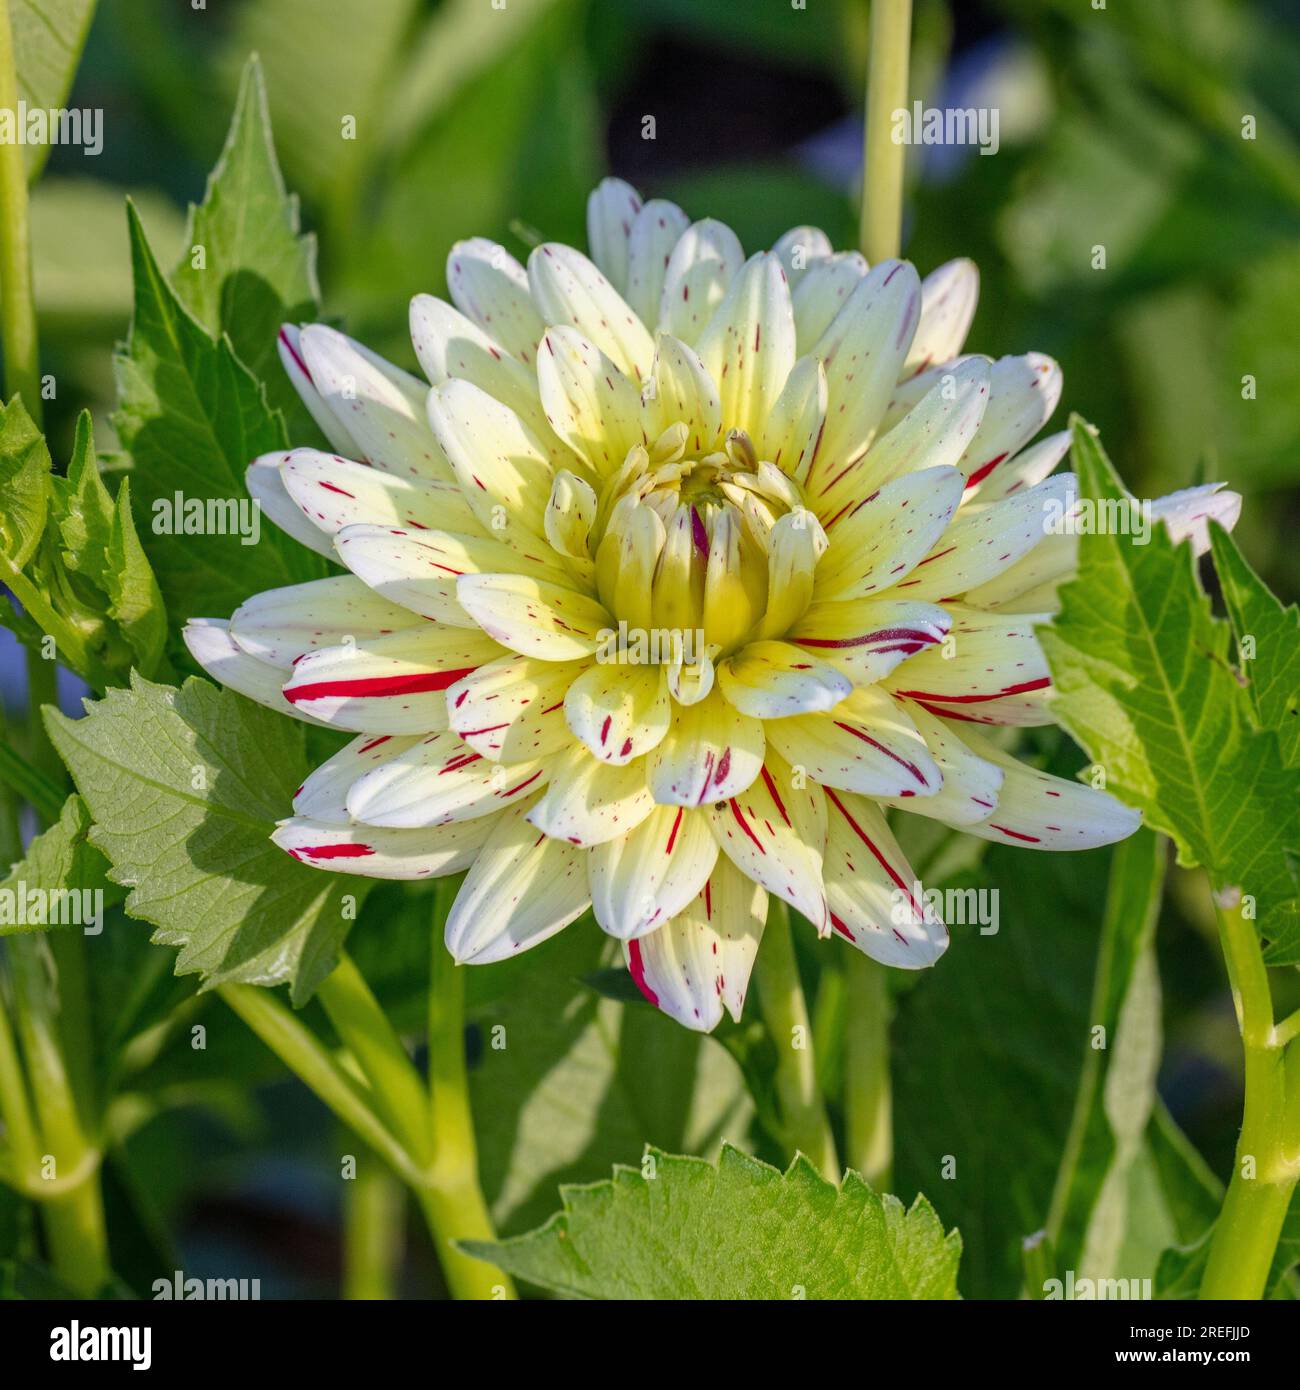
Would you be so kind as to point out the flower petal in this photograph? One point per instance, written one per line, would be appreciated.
(490, 287)
(649, 875)
(868, 639)
(420, 569)
(280, 625)
(880, 540)
(863, 351)
(1189, 513)
(789, 435)
(590, 404)
(501, 467)
(657, 229)
(437, 781)
(618, 711)
(684, 391)
(512, 709)
(875, 899)
(801, 248)
(1026, 468)
(748, 345)
(711, 752)
(588, 801)
(970, 784)
(775, 834)
(522, 888)
(612, 209)
(984, 541)
(996, 673)
(388, 685)
(330, 493)
(533, 617)
(1023, 393)
(569, 290)
(265, 483)
(867, 744)
(324, 795)
(703, 264)
(821, 293)
(1039, 811)
(772, 680)
(948, 299)
(374, 853)
(381, 406)
(211, 645)
(290, 350)
(701, 959)
(452, 348)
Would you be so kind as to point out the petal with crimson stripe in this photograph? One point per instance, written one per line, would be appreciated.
(512, 709)
(650, 874)
(373, 852)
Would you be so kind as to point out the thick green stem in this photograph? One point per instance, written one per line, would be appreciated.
(781, 998)
(364, 1029)
(454, 1203)
(22, 1141)
(1268, 1150)
(302, 1052)
(374, 1209)
(882, 173)
(868, 1100)
(74, 1212)
(17, 306)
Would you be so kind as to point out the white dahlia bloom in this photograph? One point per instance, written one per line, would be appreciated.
(679, 571)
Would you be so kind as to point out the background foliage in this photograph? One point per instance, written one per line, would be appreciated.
(1119, 128)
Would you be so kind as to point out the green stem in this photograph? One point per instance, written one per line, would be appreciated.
(454, 1203)
(1268, 1151)
(74, 1214)
(17, 306)
(303, 1053)
(781, 998)
(868, 1107)
(42, 690)
(882, 173)
(374, 1209)
(365, 1031)
(22, 1141)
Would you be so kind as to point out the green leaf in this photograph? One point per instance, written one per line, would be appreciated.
(192, 417)
(1098, 1208)
(185, 787)
(569, 1084)
(1183, 1267)
(256, 270)
(1273, 633)
(59, 858)
(24, 485)
(682, 1228)
(48, 38)
(69, 553)
(1144, 683)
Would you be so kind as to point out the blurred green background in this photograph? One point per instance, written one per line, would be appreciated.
(1121, 127)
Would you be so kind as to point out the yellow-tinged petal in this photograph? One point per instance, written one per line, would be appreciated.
(681, 390)
(569, 290)
(775, 834)
(789, 434)
(875, 899)
(522, 888)
(868, 638)
(656, 230)
(948, 299)
(773, 680)
(970, 784)
(489, 286)
(512, 709)
(618, 711)
(589, 801)
(649, 875)
(748, 346)
(589, 402)
(532, 617)
(881, 540)
(700, 961)
(703, 264)
(711, 752)
(867, 744)
(796, 544)
(570, 512)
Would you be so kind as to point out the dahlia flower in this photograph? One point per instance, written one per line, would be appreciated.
(680, 571)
